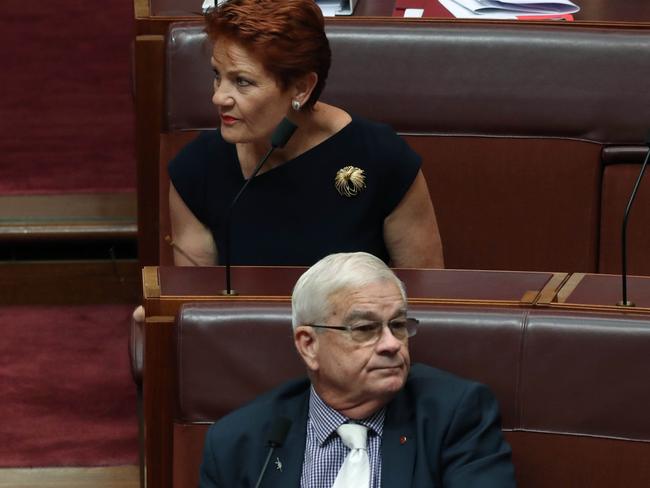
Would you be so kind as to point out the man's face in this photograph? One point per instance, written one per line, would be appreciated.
(348, 374)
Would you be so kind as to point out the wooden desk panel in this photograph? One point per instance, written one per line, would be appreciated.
(601, 293)
(167, 287)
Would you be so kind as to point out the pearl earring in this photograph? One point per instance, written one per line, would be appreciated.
(295, 104)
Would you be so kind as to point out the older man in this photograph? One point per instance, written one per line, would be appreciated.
(364, 418)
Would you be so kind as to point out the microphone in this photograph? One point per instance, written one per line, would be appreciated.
(282, 134)
(625, 302)
(279, 138)
(276, 437)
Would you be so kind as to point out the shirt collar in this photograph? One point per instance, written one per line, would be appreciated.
(325, 420)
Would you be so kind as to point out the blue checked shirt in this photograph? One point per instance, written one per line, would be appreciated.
(325, 451)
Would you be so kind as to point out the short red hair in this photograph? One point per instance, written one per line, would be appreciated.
(287, 36)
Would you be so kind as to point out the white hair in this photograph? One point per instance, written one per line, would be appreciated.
(311, 298)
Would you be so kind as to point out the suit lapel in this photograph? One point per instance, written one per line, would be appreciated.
(285, 467)
(398, 444)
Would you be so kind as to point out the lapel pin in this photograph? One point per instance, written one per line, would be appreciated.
(278, 464)
(349, 181)
(402, 440)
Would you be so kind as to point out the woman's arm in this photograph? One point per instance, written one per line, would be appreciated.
(193, 241)
(411, 230)
(193, 246)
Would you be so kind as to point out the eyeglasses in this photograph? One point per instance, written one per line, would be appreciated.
(370, 333)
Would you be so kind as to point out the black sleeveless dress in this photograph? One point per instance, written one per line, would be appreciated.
(293, 215)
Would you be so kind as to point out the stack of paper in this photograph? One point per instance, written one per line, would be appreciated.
(509, 9)
(330, 8)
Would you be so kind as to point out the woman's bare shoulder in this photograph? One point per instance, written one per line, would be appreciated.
(332, 119)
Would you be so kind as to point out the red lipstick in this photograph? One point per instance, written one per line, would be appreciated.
(228, 120)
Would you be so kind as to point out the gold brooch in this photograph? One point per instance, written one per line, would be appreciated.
(349, 181)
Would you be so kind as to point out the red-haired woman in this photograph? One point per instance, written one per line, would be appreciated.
(341, 183)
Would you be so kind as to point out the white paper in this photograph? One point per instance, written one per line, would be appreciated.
(461, 12)
(329, 8)
(515, 7)
(413, 12)
(208, 4)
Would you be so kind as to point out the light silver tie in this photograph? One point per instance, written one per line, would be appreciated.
(355, 472)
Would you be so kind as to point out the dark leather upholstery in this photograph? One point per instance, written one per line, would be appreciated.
(471, 79)
(216, 340)
(510, 121)
(584, 374)
(565, 381)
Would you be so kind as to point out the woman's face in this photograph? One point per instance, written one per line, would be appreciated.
(250, 102)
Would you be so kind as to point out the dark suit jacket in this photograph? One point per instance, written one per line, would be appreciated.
(451, 426)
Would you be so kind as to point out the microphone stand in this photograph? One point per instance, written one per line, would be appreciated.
(625, 302)
(266, 463)
(279, 138)
(276, 438)
(229, 290)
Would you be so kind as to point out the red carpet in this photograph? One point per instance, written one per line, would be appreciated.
(66, 394)
(66, 114)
